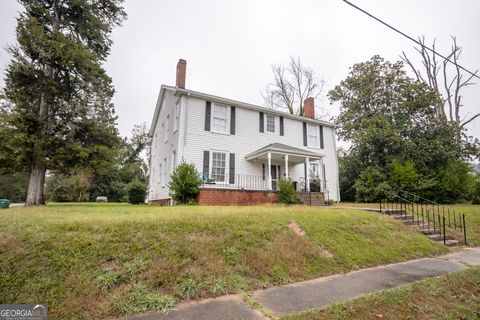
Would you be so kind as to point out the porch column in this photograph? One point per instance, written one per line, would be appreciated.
(307, 178)
(286, 166)
(269, 170)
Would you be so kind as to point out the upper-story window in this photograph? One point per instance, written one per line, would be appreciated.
(220, 118)
(313, 139)
(166, 127)
(270, 123)
(176, 124)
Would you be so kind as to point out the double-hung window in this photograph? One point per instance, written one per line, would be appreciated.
(166, 127)
(313, 140)
(176, 124)
(174, 160)
(270, 123)
(164, 182)
(219, 164)
(220, 118)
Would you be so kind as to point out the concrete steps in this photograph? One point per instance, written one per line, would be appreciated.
(408, 219)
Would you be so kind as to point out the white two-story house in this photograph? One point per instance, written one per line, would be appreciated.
(240, 150)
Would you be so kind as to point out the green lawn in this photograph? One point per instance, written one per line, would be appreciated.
(453, 296)
(89, 261)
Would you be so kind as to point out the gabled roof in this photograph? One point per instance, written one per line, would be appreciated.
(230, 102)
(283, 148)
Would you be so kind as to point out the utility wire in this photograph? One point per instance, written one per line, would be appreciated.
(473, 74)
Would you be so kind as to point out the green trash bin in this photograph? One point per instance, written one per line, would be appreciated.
(4, 203)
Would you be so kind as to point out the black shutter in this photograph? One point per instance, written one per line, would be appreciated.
(208, 113)
(206, 163)
(263, 171)
(232, 120)
(261, 122)
(232, 169)
(281, 125)
(321, 137)
(305, 134)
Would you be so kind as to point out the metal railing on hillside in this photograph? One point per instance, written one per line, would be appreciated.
(429, 216)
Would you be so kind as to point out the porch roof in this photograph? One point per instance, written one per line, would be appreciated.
(280, 148)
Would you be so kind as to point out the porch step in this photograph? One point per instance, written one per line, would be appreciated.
(311, 198)
(428, 231)
(449, 243)
(435, 237)
(395, 212)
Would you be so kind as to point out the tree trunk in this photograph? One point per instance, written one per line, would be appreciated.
(39, 168)
(36, 185)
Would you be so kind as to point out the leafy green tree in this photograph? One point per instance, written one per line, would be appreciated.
(287, 193)
(68, 188)
(13, 186)
(396, 138)
(403, 175)
(185, 183)
(60, 112)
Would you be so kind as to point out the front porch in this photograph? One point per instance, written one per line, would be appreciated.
(271, 163)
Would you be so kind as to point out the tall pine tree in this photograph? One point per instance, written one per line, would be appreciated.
(61, 113)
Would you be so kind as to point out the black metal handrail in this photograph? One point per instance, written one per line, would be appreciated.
(425, 219)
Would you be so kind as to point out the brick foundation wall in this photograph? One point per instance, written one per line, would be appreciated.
(235, 197)
(161, 202)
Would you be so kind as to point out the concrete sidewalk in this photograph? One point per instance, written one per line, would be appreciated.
(321, 292)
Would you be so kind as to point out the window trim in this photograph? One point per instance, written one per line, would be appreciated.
(267, 115)
(165, 164)
(227, 119)
(227, 167)
(311, 127)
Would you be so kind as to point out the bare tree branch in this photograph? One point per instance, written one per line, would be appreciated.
(452, 83)
(291, 86)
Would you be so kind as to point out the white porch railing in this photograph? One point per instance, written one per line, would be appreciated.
(241, 182)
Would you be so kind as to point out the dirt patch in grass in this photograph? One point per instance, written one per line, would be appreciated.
(296, 228)
(453, 296)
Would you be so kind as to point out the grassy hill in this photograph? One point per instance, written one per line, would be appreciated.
(100, 260)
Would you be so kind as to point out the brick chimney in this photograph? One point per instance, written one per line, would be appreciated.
(181, 73)
(309, 108)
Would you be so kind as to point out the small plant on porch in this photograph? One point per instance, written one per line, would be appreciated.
(185, 183)
(286, 193)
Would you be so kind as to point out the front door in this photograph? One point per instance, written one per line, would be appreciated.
(273, 170)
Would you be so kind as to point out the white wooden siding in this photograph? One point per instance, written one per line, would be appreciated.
(191, 139)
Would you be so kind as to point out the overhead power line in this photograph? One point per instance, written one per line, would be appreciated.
(473, 74)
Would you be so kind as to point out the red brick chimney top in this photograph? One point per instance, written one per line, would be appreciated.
(181, 73)
(309, 108)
